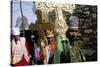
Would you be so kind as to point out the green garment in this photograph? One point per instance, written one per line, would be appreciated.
(59, 47)
(75, 54)
(74, 51)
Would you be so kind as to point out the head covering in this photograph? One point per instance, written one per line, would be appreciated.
(15, 31)
(60, 26)
(74, 22)
(49, 33)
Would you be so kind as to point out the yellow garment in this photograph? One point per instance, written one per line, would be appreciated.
(44, 52)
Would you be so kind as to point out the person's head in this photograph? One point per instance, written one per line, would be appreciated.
(16, 33)
(73, 30)
(42, 43)
(73, 33)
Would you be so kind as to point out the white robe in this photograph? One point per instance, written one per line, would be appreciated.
(48, 53)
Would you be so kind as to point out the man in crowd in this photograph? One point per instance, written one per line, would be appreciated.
(74, 50)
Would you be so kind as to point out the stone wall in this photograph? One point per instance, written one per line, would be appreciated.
(88, 30)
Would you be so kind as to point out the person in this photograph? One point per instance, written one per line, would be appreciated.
(60, 49)
(61, 40)
(75, 52)
(60, 29)
(33, 46)
(39, 55)
(50, 47)
(40, 52)
(43, 49)
(20, 54)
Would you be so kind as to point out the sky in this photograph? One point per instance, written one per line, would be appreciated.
(27, 7)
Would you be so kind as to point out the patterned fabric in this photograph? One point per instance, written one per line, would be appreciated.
(60, 26)
(75, 54)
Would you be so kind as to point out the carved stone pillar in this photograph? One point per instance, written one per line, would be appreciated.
(60, 23)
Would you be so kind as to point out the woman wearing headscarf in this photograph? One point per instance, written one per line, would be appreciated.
(20, 54)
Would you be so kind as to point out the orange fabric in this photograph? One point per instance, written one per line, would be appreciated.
(52, 43)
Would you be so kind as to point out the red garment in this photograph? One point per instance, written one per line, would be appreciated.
(26, 44)
(23, 62)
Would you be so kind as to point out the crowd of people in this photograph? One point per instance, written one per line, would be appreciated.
(49, 48)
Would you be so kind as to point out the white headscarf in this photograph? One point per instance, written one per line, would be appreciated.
(15, 31)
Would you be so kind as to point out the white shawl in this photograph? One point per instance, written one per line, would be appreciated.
(18, 50)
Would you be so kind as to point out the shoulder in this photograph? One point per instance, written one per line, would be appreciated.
(23, 40)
